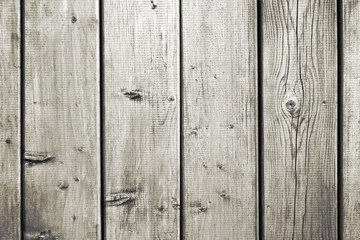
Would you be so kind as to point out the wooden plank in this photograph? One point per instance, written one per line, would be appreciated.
(141, 119)
(10, 172)
(220, 119)
(62, 158)
(351, 119)
(300, 119)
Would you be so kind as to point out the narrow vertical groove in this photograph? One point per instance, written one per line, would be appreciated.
(22, 117)
(182, 197)
(340, 119)
(260, 123)
(102, 120)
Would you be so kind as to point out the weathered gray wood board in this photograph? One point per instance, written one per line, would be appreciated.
(220, 119)
(62, 158)
(351, 119)
(300, 119)
(141, 87)
(10, 120)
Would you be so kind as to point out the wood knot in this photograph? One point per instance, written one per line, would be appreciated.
(63, 185)
(161, 209)
(43, 235)
(224, 195)
(34, 158)
(201, 208)
(123, 197)
(175, 204)
(73, 19)
(171, 98)
(292, 106)
(133, 94)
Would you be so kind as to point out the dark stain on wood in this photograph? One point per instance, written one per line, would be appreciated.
(153, 5)
(73, 19)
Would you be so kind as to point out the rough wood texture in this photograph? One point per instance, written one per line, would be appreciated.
(141, 119)
(10, 120)
(300, 119)
(351, 119)
(62, 163)
(220, 119)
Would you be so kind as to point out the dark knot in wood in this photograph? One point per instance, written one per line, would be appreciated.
(292, 106)
(133, 94)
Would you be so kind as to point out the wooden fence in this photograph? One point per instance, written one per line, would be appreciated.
(169, 119)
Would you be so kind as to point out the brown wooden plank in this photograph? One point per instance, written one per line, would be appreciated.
(10, 172)
(351, 119)
(300, 119)
(220, 119)
(141, 119)
(62, 158)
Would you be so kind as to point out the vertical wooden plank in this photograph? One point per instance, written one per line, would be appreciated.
(10, 173)
(300, 119)
(141, 119)
(62, 158)
(351, 119)
(220, 119)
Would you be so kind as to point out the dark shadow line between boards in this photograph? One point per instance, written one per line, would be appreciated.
(102, 120)
(260, 122)
(22, 118)
(181, 149)
(340, 206)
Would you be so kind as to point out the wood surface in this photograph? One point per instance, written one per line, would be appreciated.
(62, 116)
(141, 89)
(351, 119)
(220, 119)
(10, 173)
(179, 76)
(300, 119)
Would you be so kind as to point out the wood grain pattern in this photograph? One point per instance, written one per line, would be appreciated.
(62, 158)
(10, 173)
(300, 119)
(141, 54)
(220, 119)
(351, 119)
